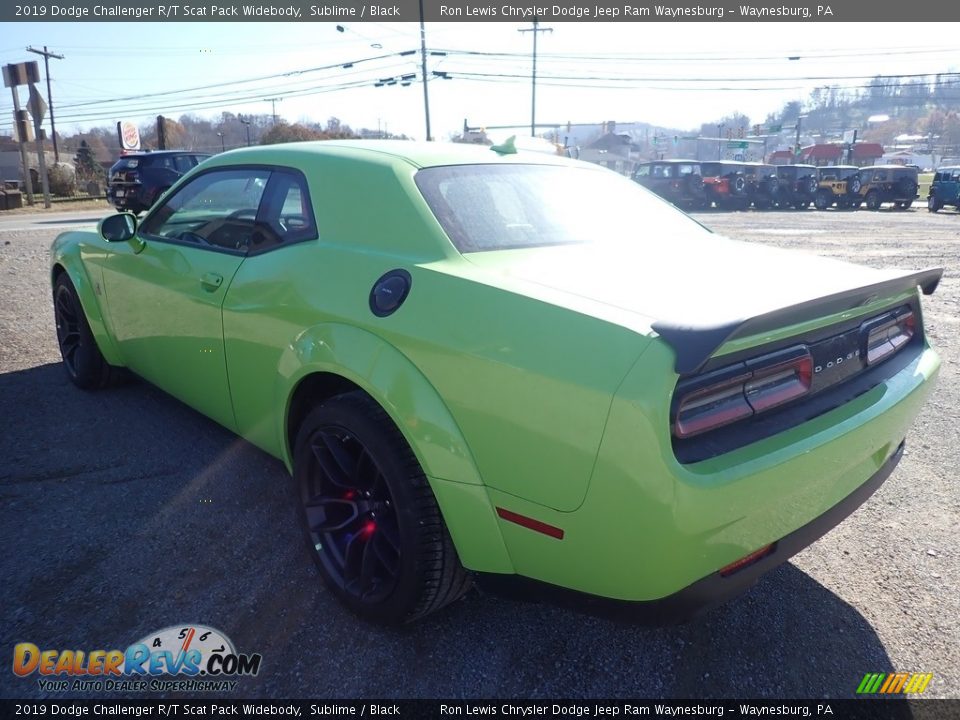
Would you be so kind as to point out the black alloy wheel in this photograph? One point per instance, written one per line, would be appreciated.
(352, 516)
(82, 360)
(372, 523)
(67, 316)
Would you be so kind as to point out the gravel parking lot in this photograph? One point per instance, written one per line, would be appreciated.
(125, 512)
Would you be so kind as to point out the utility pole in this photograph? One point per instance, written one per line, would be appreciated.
(273, 104)
(533, 104)
(46, 68)
(423, 69)
(719, 140)
(246, 122)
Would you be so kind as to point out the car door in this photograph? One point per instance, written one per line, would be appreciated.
(165, 288)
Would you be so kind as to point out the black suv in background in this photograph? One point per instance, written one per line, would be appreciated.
(798, 185)
(138, 179)
(763, 186)
(678, 181)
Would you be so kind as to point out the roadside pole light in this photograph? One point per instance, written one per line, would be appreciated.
(797, 146)
(246, 122)
(223, 146)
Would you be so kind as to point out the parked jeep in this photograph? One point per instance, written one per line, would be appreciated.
(678, 181)
(726, 184)
(798, 185)
(837, 185)
(763, 186)
(945, 189)
(895, 184)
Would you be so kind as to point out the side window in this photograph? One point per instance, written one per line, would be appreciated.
(183, 163)
(643, 171)
(287, 215)
(216, 209)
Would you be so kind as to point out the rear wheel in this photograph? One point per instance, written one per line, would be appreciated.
(369, 516)
(933, 203)
(82, 359)
(873, 200)
(823, 200)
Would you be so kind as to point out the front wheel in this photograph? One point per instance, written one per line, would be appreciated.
(85, 365)
(823, 200)
(873, 200)
(370, 518)
(933, 203)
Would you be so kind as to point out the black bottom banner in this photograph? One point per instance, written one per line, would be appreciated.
(519, 709)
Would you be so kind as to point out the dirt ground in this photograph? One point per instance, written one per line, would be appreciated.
(125, 512)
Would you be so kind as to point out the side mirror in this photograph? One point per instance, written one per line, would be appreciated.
(118, 228)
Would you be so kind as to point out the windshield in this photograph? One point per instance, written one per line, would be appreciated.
(504, 207)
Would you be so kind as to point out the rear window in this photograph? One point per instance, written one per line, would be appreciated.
(503, 207)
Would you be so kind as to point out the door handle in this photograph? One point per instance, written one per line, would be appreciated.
(211, 280)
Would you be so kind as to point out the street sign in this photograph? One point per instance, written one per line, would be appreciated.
(36, 105)
(21, 124)
(775, 128)
(737, 145)
(21, 73)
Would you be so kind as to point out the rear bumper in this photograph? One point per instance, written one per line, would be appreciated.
(650, 527)
(710, 591)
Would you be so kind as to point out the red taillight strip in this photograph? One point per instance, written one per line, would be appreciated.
(880, 343)
(747, 560)
(530, 523)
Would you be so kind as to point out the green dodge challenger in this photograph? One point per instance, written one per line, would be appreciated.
(478, 363)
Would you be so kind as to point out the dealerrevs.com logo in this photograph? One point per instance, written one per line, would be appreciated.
(187, 658)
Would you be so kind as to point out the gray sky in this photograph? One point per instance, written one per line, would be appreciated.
(668, 74)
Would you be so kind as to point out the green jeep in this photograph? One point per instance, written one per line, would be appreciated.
(897, 184)
(837, 185)
(945, 189)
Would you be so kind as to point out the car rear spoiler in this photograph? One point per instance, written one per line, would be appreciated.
(694, 345)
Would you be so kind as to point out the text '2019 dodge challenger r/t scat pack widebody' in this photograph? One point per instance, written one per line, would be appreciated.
(483, 363)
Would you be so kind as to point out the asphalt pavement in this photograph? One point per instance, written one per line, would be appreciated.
(124, 512)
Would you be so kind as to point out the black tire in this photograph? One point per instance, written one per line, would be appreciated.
(823, 199)
(82, 360)
(370, 518)
(933, 203)
(801, 204)
(854, 185)
(872, 200)
(812, 185)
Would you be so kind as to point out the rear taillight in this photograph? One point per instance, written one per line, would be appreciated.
(888, 334)
(740, 392)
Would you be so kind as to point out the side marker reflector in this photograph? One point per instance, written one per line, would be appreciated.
(530, 523)
(747, 560)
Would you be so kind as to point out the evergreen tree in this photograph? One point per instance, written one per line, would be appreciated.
(86, 163)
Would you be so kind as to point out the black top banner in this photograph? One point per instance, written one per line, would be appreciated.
(477, 10)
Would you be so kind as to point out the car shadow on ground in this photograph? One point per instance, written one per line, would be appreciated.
(126, 512)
